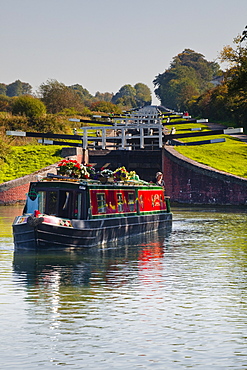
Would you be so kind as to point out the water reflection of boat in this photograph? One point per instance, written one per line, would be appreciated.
(68, 213)
(77, 267)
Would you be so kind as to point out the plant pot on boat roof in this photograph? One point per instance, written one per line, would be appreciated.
(105, 175)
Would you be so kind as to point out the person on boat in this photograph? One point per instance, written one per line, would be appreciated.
(159, 179)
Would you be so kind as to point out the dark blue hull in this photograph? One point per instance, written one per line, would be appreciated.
(88, 233)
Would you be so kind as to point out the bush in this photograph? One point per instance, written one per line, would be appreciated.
(5, 103)
(5, 146)
(51, 123)
(28, 106)
(10, 122)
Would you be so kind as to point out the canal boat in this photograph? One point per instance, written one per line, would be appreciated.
(66, 212)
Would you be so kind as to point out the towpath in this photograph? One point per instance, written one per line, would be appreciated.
(217, 126)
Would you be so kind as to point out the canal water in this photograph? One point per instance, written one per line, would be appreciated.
(177, 301)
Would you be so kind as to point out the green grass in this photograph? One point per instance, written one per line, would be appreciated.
(229, 156)
(23, 160)
(94, 132)
(185, 127)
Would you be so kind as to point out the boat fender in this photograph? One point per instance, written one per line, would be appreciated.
(34, 221)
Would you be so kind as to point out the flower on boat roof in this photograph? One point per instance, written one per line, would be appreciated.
(120, 174)
(84, 172)
(90, 169)
(72, 168)
(133, 176)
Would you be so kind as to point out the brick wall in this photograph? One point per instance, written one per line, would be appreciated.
(189, 182)
(15, 191)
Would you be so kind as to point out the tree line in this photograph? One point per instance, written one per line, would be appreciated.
(57, 97)
(193, 84)
(49, 108)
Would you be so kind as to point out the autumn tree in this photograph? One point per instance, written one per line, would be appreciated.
(236, 77)
(227, 102)
(103, 96)
(236, 60)
(213, 104)
(84, 95)
(57, 96)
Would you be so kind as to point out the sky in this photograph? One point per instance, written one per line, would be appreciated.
(105, 44)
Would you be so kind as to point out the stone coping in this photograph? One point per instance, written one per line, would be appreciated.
(28, 178)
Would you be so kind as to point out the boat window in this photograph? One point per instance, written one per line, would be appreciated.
(65, 200)
(65, 203)
(101, 203)
(78, 206)
(32, 202)
(52, 202)
(41, 201)
(131, 201)
(120, 202)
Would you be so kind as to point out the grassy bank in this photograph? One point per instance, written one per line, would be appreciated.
(229, 156)
(23, 160)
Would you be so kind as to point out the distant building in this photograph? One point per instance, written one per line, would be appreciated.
(216, 81)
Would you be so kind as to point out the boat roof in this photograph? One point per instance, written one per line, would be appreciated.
(59, 181)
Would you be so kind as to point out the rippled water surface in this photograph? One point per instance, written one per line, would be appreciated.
(178, 302)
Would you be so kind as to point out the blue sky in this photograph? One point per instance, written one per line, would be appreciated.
(105, 44)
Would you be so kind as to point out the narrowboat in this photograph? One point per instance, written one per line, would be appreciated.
(64, 212)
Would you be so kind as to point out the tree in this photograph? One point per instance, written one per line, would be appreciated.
(56, 96)
(106, 107)
(104, 96)
(18, 88)
(125, 96)
(189, 75)
(84, 95)
(236, 78)
(244, 34)
(132, 97)
(176, 86)
(204, 69)
(143, 94)
(3, 89)
(29, 106)
(237, 65)
(227, 102)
